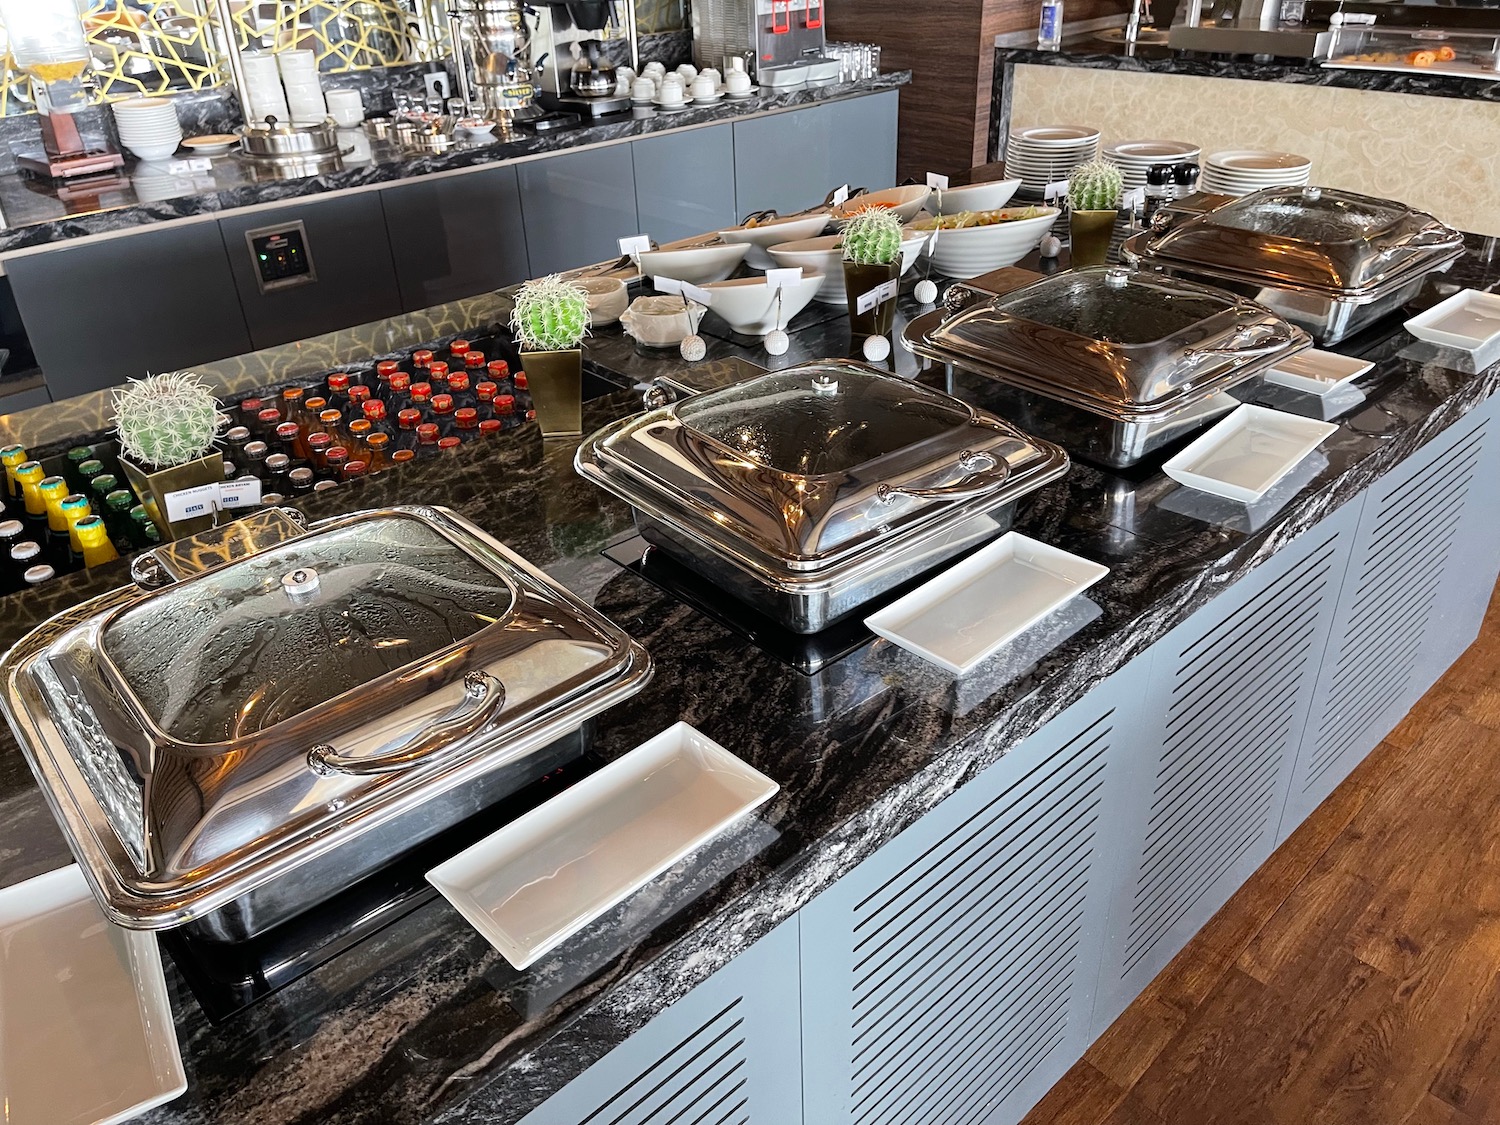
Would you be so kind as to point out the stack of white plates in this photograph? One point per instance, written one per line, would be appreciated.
(1045, 154)
(1136, 158)
(263, 94)
(148, 127)
(1241, 171)
(304, 94)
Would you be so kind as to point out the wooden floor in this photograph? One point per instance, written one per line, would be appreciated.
(1355, 980)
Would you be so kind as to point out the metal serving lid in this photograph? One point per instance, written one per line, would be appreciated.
(1316, 238)
(1111, 340)
(200, 739)
(803, 469)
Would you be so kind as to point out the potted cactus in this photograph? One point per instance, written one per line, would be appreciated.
(550, 320)
(1093, 204)
(167, 425)
(872, 256)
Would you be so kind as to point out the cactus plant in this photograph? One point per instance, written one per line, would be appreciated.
(167, 420)
(1095, 186)
(550, 315)
(872, 238)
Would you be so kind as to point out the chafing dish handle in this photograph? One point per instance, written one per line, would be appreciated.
(484, 695)
(1244, 342)
(1422, 240)
(987, 473)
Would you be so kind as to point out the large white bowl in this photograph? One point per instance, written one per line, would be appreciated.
(973, 197)
(773, 232)
(748, 304)
(971, 251)
(825, 255)
(697, 265)
(904, 201)
(607, 296)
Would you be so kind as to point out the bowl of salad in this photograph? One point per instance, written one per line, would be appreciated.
(970, 243)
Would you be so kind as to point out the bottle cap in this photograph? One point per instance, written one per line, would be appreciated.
(24, 550)
(505, 404)
(458, 381)
(270, 416)
(288, 431)
(521, 381)
(450, 443)
(291, 394)
(359, 393)
(387, 367)
(421, 392)
(499, 368)
(489, 427)
(402, 455)
(330, 417)
(325, 485)
(301, 476)
(79, 453)
(427, 432)
(278, 462)
(421, 357)
(256, 451)
(437, 369)
(319, 442)
(119, 501)
(474, 359)
(486, 391)
(408, 418)
(315, 405)
(459, 347)
(354, 469)
(378, 441)
(338, 382)
(11, 529)
(442, 404)
(237, 433)
(36, 575)
(360, 427)
(467, 418)
(374, 410)
(336, 456)
(251, 406)
(400, 381)
(93, 467)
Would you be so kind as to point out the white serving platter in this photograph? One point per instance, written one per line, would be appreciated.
(1468, 320)
(971, 611)
(546, 875)
(1244, 455)
(1317, 372)
(86, 1035)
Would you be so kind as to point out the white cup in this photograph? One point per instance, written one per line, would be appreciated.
(671, 92)
(737, 82)
(643, 89)
(345, 106)
(704, 88)
(687, 72)
(654, 69)
(736, 64)
(713, 74)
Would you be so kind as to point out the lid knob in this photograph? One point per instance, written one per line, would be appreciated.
(1116, 276)
(825, 385)
(1312, 193)
(300, 584)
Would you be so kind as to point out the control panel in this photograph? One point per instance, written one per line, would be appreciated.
(280, 257)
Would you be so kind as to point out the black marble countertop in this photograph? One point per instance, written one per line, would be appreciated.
(424, 1022)
(34, 214)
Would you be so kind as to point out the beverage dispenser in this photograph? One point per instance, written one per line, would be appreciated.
(781, 41)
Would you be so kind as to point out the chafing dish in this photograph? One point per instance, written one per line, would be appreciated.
(809, 491)
(294, 708)
(281, 140)
(1329, 261)
(1110, 363)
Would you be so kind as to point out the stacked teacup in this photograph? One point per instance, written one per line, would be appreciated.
(148, 127)
(304, 95)
(263, 94)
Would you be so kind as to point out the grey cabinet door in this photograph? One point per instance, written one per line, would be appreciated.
(356, 281)
(950, 976)
(455, 236)
(1222, 719)
(1422, 570)
(577, 207)
(728, 1051)
(684, 182)
(789, 161)
(100, 313)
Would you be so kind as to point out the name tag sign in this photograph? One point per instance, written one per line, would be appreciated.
(1135, 197)
(782, 278)
(635, 246)
(1056, 190)
(885, 291)
(204, 499)
(688, 291)
(189, 165)
(841, 196)
(243, 492)
(937, 180)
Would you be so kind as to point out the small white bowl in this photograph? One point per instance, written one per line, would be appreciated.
(772, 232)
(661, 322)
(971, 251)
(696, 265)
(973, 197)
(607, 298)
(748, 304)
(825, 255)
(904, 201)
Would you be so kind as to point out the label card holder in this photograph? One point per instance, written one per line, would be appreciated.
(782, 278)
(882, 293)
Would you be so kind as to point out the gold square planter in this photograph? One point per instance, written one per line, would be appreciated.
(152, 486)
(556, 382)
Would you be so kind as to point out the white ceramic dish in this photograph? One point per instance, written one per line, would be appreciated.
(1244, 455)
(971, 251)
(1255, 162)
(608, 298)
(904, 201)
(1316, 372)
(773, 232)
(749, 305)
(1054, 136)
(971, 611)
(86, 1035)
(1469, 320)
(973, 197)
(543, 877)
(661, 322)
(696, 265)
(825, 255)
(212, 144)
(741, 95)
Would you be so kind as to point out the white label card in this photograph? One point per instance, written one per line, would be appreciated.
(1135, 197)
(841, 196)
(882, 293)
(1056, 190)
(186, 503)
(635, 245)
(188, 166)
(242, 492)
(693, 293)
(781, 278)
(666, 284)
(937, 180)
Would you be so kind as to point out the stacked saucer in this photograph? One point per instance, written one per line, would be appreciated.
(1241, 171)
(148, 127)
(1045, 154)
(304, 94)
(1136, 158)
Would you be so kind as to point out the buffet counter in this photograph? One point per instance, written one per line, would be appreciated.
(880, 758)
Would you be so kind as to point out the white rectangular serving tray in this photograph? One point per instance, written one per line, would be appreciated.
(971, 611)
(1468, 320)
(86, 1033)
(540, 879)
(1317, 372)
(1244, 455)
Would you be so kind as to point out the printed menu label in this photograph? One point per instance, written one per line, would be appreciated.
(187, 503)
(882, 293)
(242, 492)
(635, 245)
(781, 278)
(937, 180)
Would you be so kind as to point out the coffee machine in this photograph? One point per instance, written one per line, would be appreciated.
(46, 39)
(781, 41)
(492, 54)
(573, 36)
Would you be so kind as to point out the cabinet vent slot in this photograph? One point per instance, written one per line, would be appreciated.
(1232, 720)
(699, 1081)
(1395, 585)
(964, 960)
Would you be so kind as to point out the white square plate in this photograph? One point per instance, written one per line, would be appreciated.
(1468, 320)
(549, 873)
(969, 612)
(1317, 372)
(86, 1035)
(1245, 454)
